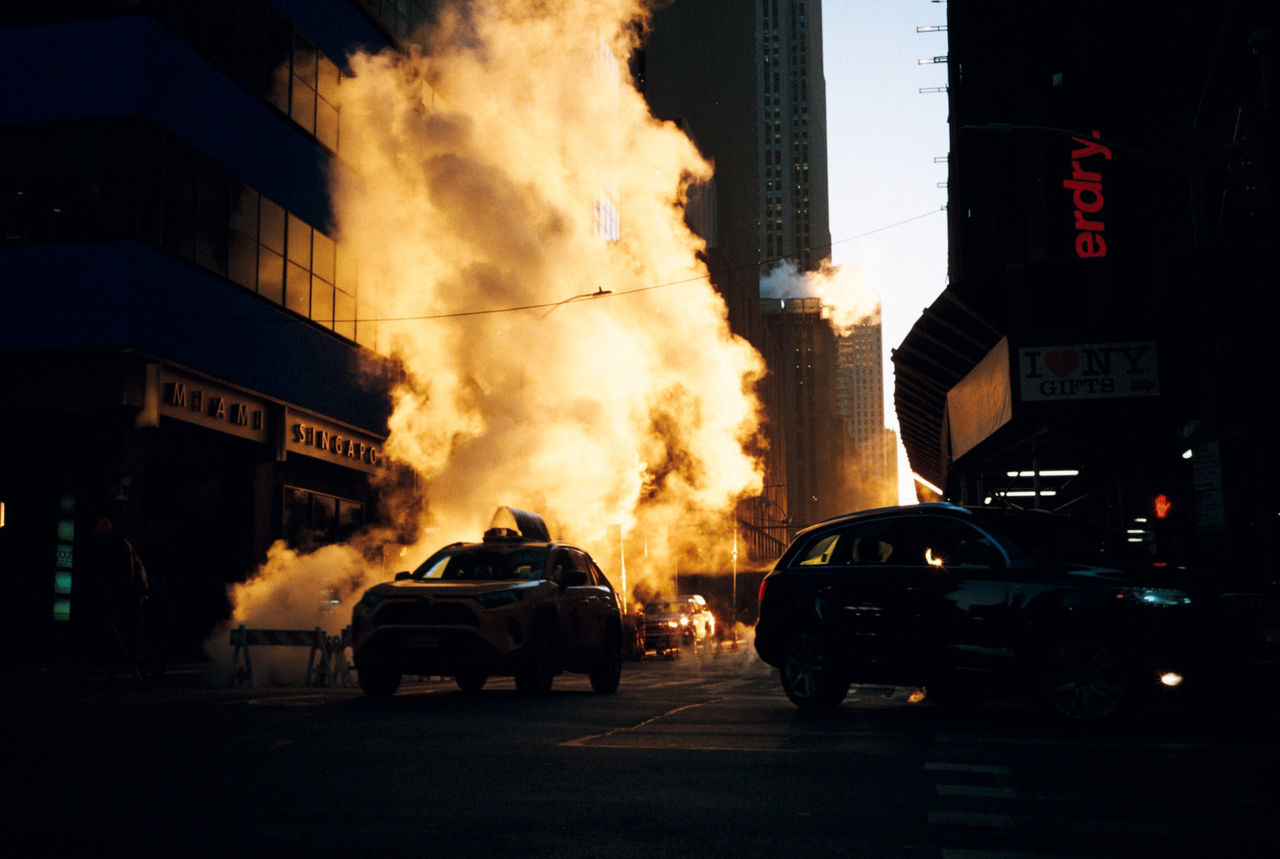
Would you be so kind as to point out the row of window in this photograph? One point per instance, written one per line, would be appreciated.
(250, 41)
(128, 178)
(312, 519)
(257, 46)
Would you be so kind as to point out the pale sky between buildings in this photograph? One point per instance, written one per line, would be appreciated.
(886, 145)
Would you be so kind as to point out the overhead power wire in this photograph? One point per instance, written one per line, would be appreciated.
(599, 293)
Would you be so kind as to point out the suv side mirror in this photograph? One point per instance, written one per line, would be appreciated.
(402, 575)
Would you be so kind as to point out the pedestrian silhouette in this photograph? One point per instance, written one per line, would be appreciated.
(116, 593)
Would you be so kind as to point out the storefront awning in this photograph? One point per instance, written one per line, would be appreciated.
(944, 345)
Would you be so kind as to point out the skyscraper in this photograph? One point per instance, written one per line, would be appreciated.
(872, 449)
(745, 79)
(791, 119)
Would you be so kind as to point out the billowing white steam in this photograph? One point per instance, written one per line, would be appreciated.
(846, 302)
(481, 174)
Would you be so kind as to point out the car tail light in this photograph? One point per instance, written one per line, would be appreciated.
(764, 583)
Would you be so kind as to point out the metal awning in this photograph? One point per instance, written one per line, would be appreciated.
(946, 342)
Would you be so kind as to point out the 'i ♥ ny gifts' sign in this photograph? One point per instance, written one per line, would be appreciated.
(1088, 371)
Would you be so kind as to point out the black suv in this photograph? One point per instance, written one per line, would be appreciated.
(961, 600)
(516, 604)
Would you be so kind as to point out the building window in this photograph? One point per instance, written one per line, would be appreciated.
(120, 178)
(313, 519)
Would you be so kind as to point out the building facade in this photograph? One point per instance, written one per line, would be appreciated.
(804, 361)
(872, 448)
(1112, 274)
(758, 112)
(187, 350)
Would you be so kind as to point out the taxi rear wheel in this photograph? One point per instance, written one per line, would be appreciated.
(378, 679)
(470, 681)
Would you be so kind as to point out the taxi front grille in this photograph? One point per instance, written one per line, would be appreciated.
(424, 613)
(656, 629)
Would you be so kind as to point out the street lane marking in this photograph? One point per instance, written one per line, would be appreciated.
(976, 790)
(989, 769)
(589, 738)
(965, 818)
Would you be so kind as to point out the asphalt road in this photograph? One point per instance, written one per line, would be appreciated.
(702, 756)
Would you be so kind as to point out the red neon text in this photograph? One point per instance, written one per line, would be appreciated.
(1086, 195)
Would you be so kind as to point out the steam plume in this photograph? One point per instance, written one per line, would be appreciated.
(482, 173)
(846, 302)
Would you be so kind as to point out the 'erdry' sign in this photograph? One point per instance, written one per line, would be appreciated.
(1090, 371)
(1085, 186)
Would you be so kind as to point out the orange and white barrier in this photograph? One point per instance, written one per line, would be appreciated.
(319, 670)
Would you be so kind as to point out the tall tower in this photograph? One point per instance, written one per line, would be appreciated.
(791, 122)
(758, 112)
(872, 481)
(745, 80)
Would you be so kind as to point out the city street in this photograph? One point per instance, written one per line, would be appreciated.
(700, 756)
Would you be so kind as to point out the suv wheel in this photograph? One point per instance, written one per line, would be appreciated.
(809, 677)
(539, 669)
(1085, 680)
(377, 679)
(606, 676)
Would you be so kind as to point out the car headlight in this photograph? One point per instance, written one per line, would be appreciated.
(673, 624)
(684, 621)
(1156, 596)
(499, 598)
(371, 599)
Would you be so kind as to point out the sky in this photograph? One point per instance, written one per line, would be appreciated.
(883, 136)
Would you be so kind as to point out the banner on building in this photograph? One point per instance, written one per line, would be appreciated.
(1088, 371)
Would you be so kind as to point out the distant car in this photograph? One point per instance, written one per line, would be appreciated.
(684, 620)
(516, 604)
(962, 601)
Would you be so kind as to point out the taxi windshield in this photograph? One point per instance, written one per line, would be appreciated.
(485, 563)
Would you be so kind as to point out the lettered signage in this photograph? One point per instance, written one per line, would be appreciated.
(217, 407)
(311, 435)
(1090, 371)
(1087, 200)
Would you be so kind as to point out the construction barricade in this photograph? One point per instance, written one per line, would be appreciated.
(340, 664)
(319, 665)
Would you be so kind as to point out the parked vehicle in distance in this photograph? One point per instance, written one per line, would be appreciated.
(963, 601)
(515, 604)
(681, 621)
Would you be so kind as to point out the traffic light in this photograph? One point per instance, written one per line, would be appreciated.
(1162, 506)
